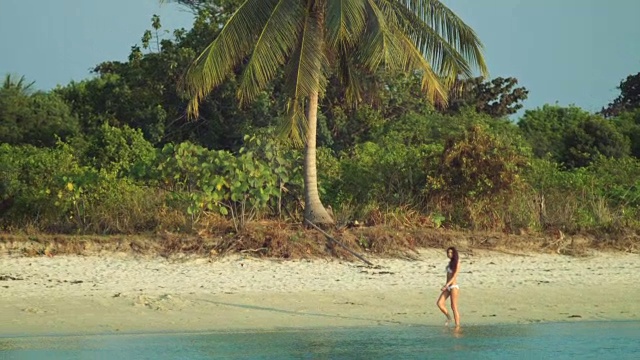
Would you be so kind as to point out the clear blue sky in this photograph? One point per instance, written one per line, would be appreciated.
(564, 51)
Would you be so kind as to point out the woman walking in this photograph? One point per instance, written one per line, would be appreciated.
(451, 288)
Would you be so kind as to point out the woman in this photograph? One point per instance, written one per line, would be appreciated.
(451, 288)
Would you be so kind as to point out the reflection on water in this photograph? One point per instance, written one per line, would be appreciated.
(602, 340)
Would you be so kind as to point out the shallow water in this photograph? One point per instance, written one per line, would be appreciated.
(575, 340)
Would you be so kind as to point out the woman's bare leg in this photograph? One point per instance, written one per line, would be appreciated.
(454, 306)
(442, 305)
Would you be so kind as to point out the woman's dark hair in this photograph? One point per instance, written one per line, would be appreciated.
(453, 263)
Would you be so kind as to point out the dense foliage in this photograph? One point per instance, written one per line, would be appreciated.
(115, 153)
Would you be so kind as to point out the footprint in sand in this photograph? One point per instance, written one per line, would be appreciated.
(34, 310)
(162, 303)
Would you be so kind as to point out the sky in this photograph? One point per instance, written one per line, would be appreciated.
(565, 52)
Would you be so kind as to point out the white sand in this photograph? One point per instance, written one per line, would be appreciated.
(122, 293)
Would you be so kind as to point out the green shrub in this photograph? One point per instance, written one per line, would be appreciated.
(240, 186)
(475, 175)
(50, 191)
(123, 151)
(28, 179)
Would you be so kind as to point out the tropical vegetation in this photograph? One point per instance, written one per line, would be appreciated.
(140, 149)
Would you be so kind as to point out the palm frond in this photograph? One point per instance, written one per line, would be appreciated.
(432, 84)
(350, 76)
(272, 47)
(389, 45)
(446, 23)
(295, 124)
(442, 55)
(377, 45)
(233, 44)
(303, 72)
(19, 85)
(345, 21)
(303, 75)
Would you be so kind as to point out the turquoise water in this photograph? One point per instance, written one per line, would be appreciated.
(576, 340)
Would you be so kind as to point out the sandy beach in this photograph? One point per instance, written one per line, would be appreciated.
(111, 293)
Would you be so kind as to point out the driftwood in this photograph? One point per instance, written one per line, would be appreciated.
(331, 238)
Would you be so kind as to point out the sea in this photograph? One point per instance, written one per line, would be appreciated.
(568, 340)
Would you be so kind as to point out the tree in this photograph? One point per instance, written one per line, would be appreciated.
(477, 164)
(356, 37)
(141, 92)
(391, 98)
(545, 128)
(19, 85)
(628, 123)
(496, 98)
(572, 136)
(589, 139)
(629, 98)
(36, 118)
(224, 8)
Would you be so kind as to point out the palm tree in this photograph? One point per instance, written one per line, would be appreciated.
(310, 37)
(20, 85)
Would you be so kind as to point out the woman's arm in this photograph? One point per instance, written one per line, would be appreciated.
(453, 277)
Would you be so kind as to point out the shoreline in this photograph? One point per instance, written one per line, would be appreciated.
(178, 332)
(113, 294)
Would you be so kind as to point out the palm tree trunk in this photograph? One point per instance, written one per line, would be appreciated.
(314, 211)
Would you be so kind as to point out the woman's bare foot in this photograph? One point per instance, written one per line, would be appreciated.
(457, 331)
(446, 323)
